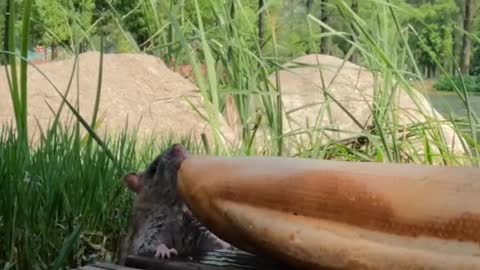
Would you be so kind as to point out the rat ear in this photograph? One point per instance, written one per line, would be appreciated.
(132, 181)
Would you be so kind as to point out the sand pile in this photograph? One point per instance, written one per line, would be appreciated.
(135, 87)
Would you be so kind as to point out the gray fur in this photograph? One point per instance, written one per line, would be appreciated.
(161, 217)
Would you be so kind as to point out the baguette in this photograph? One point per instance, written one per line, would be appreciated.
(319, 214)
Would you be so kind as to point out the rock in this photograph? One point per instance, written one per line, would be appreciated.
(353, 87)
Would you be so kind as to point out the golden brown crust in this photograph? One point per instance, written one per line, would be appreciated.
(432, 209)
(340, 198)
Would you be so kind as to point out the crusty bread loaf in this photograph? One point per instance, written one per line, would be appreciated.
(339, 215)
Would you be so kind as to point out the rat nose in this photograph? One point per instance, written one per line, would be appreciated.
(179, 151)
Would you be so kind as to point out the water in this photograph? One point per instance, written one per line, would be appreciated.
(449, 104)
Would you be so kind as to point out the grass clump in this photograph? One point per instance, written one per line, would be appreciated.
(63, 203)
(59, 192)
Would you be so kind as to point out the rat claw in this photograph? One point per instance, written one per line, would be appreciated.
(223, 243)
(164, 252)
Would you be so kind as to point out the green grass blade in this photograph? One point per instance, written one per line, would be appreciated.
(27, 9)
(99, 89)
(67, 248)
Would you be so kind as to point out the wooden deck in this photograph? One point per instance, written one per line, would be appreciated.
(217, 260)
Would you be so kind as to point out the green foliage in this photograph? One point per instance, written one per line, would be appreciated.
(131, 15)
(476, 47)
(471, 83)
(54, 20)
(3, 7)
(59, 188)
(57, 20)
(18, 37)
(434, 22)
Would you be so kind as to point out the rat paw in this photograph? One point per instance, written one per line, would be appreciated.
(163, 252)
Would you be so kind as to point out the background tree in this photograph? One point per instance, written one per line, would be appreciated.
(129, 25)
(467, 27)
(308, 5)
(261, 16)
(475, 62)
(354, 7)
(3, 33)
(434, 21)
(324, 17)
(62, 21)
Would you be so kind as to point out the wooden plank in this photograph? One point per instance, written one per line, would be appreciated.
(111, 266)
(217, 260)
(89, 267)
(105, 266)
(239, 259)
(156, 264)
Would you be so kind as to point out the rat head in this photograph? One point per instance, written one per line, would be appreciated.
(159, 180)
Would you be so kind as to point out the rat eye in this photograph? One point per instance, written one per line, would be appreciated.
(151, 170)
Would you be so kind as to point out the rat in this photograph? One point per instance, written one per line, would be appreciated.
(161, 224)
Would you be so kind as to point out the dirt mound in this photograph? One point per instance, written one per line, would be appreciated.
(353, 88)
(135, 87)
